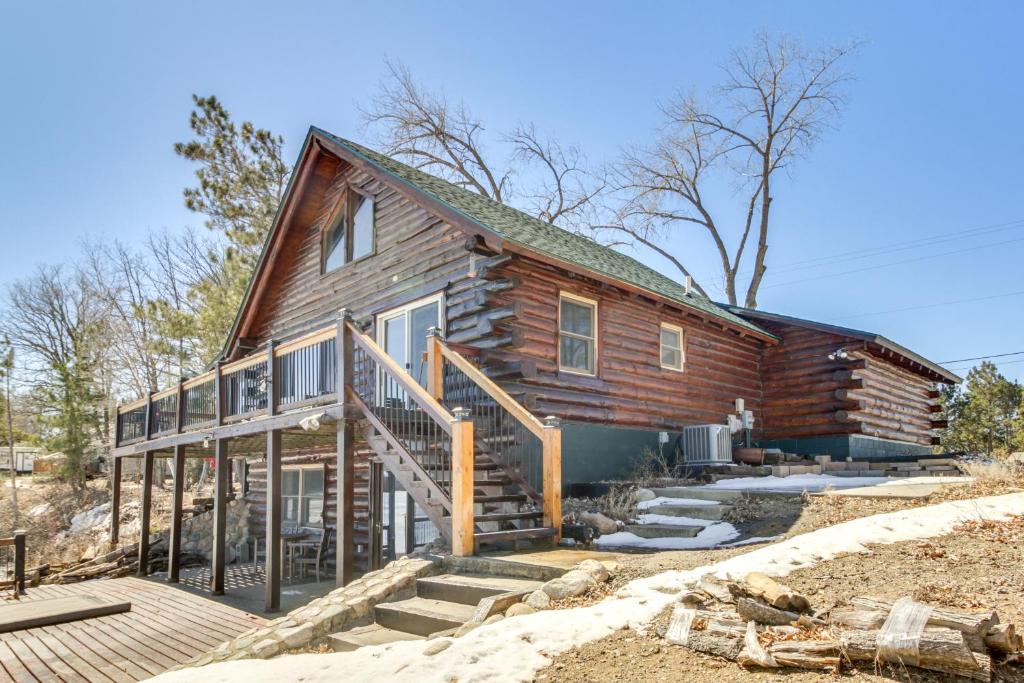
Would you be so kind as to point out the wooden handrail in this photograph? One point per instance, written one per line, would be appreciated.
(165, 393)
(306, 340)
(128, 407)
(243, 363)
(198, 379)
(420, 395)
(493, 390)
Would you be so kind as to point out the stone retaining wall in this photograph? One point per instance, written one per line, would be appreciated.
(333, 612)
(197, 531)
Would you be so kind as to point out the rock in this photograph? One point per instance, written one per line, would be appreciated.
(519, 609)
(569, 585)
(492, 619)
(643, 494)
(266, 648)
(465, 628)
(595, 569)
(538, 600)
(297, 636)
(439, 645)
(602, 523)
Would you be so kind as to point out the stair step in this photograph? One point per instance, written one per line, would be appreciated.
(712, 513)
(422, 616)
(507, 516)
(664, 530)
(508, 498)
(492, 482)
(468, 589)
(374, 634)
(489, 537)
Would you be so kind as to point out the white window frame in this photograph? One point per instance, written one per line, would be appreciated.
(382, 318)
(575, 298)
(301, 494)
(682, 347)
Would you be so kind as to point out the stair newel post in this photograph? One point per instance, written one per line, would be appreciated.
(435, 364)
(271, 379)
(462, 482)
(552, 442)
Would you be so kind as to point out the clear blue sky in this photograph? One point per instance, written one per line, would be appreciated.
(95, 94)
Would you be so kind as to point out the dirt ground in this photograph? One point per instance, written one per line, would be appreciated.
(979, 566)
(46, 507)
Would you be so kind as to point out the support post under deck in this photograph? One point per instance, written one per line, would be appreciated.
(222, 479)
(174, 551)
(273, 538)
(115, 502)
(345, 462)
(147, 503)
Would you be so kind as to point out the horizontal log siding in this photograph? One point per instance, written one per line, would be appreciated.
(631, 388)
(416, 255)
(806, 394)
(257, 495)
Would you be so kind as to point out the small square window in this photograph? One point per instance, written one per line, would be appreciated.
(577, 334)
(673, 354)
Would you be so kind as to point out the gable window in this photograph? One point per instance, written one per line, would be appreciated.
(302, 496)
(672, 353)
(577, 334)
(350, 235)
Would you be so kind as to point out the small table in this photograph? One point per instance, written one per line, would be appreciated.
(288, 539)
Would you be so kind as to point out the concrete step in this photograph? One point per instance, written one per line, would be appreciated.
(663, 530)
(709, 512)
(374, 634)
(422, 616)
(698, 493)
(470, 589)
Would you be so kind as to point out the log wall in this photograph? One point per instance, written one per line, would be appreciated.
(808, 395)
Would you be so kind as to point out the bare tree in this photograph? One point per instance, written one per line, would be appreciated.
(775, 103)
(6, 370)
(446, 139)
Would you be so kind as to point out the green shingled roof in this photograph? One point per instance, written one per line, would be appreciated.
(515, 226)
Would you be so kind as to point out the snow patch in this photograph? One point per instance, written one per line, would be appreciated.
(38, 510)
(85, 522)
(532, 641)
(820, 482)
(664, 500)
(712, 535)
(672, 520)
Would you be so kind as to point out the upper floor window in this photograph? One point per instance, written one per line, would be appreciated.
(350, 235)
(673, 354)
(577, 334)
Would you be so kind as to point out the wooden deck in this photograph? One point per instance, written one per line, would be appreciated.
(165, 627)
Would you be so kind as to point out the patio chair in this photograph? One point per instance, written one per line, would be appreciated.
(312, 552)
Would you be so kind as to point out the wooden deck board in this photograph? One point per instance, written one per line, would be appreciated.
(166, 626)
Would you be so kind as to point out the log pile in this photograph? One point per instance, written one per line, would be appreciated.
(760, 622)
(120, 562)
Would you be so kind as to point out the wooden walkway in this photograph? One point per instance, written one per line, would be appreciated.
(165, 627)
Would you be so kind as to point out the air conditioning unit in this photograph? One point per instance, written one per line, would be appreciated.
(707, 445)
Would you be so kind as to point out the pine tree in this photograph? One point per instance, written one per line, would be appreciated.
(242, 179)
(985, 413)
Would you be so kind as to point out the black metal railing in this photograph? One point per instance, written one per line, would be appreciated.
(163, 416)
(245, 390)
(200, 403)
(497, 432)
(427, 439)
(131, 424)
(307, 373)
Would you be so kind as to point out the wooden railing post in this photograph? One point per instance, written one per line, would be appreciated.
(218, 393)
(19, 561)
(552, 441)
(148, 431)
(115, 502)
(435, 364)
(179, 419)
(344, 543)
(462, 483)
(271, 379)
(117, 425)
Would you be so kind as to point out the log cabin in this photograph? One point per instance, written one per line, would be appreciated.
(401, 333)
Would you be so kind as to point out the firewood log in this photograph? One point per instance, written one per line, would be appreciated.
(716, 589)
(806, 654)
(940, 649)
(758, 585)
(1004, 638)
(974, 626)
(752, 610)
(857, 618)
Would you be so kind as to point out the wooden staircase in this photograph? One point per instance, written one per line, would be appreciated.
(483, 469)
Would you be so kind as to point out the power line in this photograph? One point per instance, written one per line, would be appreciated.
(935, 305)
(997, 355)
(894, 263)
(999, 363)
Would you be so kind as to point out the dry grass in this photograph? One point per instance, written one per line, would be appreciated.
(619, 503)
(652, 468)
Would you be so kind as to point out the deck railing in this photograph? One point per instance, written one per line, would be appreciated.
(299, 373)
(12, 560)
